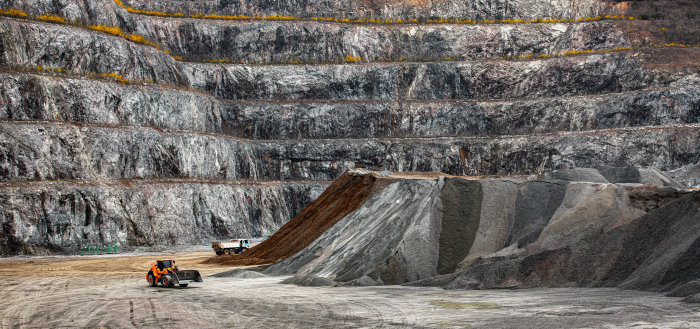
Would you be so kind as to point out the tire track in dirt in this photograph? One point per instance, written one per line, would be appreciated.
(131, 313)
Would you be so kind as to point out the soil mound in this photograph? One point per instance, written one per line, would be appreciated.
(343, 196)
(458, 232)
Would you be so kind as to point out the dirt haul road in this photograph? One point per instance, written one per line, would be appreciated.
(103, 291)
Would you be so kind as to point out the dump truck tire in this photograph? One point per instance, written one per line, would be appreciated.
(152, 280)
(167, 281)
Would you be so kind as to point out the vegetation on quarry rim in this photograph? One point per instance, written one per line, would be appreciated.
(432, 20)
(350, 58)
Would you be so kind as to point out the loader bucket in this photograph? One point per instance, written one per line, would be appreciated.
(189, 275)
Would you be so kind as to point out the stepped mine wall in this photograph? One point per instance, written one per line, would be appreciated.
(102, 105)
(487, 9)
(40, 97)
(70, 49)
(32, 151)
(315, 42)
(497, 80)
(59, 217)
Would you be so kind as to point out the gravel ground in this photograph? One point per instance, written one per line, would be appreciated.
(112, 292)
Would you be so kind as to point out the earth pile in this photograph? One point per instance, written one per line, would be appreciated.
(460, 232)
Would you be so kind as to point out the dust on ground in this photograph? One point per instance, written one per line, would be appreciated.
(104, 265)
(111, 291)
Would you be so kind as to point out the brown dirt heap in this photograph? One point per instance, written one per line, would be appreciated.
(340, 198)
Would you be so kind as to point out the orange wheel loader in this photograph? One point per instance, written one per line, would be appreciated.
(166, 273)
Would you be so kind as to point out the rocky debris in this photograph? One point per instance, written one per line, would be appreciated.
(449, 232)
(688, 175)
(687, 289)
(59, 217)
(656, 251)
(365, 242)
(614, 175)
(309, 280)
(239, 274)
(692, 299)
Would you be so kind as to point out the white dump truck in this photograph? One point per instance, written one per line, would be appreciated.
(231, 247)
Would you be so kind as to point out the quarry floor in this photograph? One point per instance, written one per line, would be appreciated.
(111, 292)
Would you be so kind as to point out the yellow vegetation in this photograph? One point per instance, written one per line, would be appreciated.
(113, 76)
(51, 18)
(350, 58)
(113, 30)
(13, 12)
(372, 21)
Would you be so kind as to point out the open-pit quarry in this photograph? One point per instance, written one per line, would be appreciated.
(380, 249)
(477, 163)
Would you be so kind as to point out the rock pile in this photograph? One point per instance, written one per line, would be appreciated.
(459, 232)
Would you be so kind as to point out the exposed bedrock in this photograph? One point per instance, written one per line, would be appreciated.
(73, 49)
(38, 97)
(483, 9)
(68, 48)
(567, 76)
(311, 42)
(36, 150)
(51, 217)
(461, 118)
(505, 233)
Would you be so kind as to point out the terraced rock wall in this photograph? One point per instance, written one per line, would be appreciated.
(101, 92)
(488, 9)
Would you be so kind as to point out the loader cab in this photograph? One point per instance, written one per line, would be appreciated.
(166, 263)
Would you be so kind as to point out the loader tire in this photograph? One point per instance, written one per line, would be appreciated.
(167, 281)
(152, 280)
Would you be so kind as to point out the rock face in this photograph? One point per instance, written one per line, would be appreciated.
(457, 233)
(98, 97)
(381, 9)
(40, 218)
